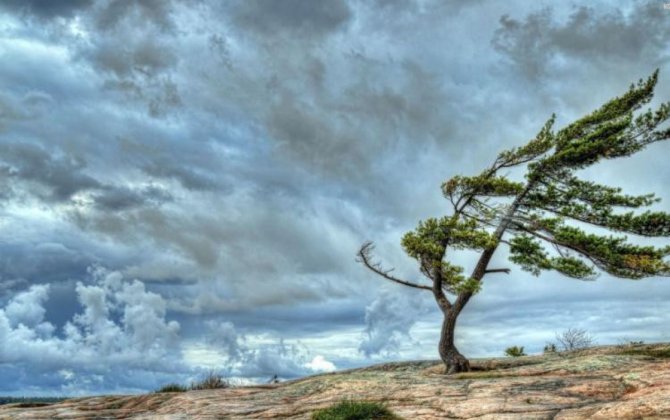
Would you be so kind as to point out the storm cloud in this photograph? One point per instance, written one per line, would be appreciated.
(46, 9)
(223, 161)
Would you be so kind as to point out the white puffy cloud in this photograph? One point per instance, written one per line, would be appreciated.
(320, 364)
(120, 335)
(27, 307)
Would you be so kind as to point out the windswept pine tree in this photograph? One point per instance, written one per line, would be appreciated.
(544, 219)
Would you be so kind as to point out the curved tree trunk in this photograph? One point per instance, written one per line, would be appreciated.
(453, 360)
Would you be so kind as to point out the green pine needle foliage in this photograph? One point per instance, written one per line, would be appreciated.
(547, 221)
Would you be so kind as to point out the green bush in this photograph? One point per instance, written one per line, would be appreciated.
(355, 410)
(172, 388)
(515, 351)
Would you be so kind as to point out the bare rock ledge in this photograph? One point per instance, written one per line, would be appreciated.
(615, 382)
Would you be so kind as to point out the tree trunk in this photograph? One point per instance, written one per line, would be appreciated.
(453, 360)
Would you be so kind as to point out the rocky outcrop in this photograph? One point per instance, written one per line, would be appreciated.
(623, 382)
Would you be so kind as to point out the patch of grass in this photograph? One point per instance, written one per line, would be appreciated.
(355, 410)
(649, 352)
(172, 388)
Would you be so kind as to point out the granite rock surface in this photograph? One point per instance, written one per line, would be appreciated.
(616, 382)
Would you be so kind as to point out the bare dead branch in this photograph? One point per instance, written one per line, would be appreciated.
(365, 258)
(497, 270)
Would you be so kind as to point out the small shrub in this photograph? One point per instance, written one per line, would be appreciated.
(172, 388)
(211, 381)
(550, 348)
(574, 339)
(355, 410)
(515, 351)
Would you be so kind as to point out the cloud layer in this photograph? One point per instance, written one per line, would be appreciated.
(224, 161)
(121, 324)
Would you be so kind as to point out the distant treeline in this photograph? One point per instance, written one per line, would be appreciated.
(30, 400)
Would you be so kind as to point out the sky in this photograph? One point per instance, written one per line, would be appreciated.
(184, 184)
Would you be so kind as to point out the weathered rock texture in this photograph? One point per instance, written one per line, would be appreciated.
(624, 382)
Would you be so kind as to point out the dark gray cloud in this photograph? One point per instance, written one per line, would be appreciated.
(329, 139)
(24, 108)
(300, 17)
(50, 262)
(144, 57)
(115, 199)
(57, 177)
(191, 178)
(540, 44)
(47, 8)
(395, 4)
(156, 12)
(233, 156)
(60, 175)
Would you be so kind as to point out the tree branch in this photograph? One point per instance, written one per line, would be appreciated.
(497, 270)
(478, 219)
(364, 257)
(487, 254)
